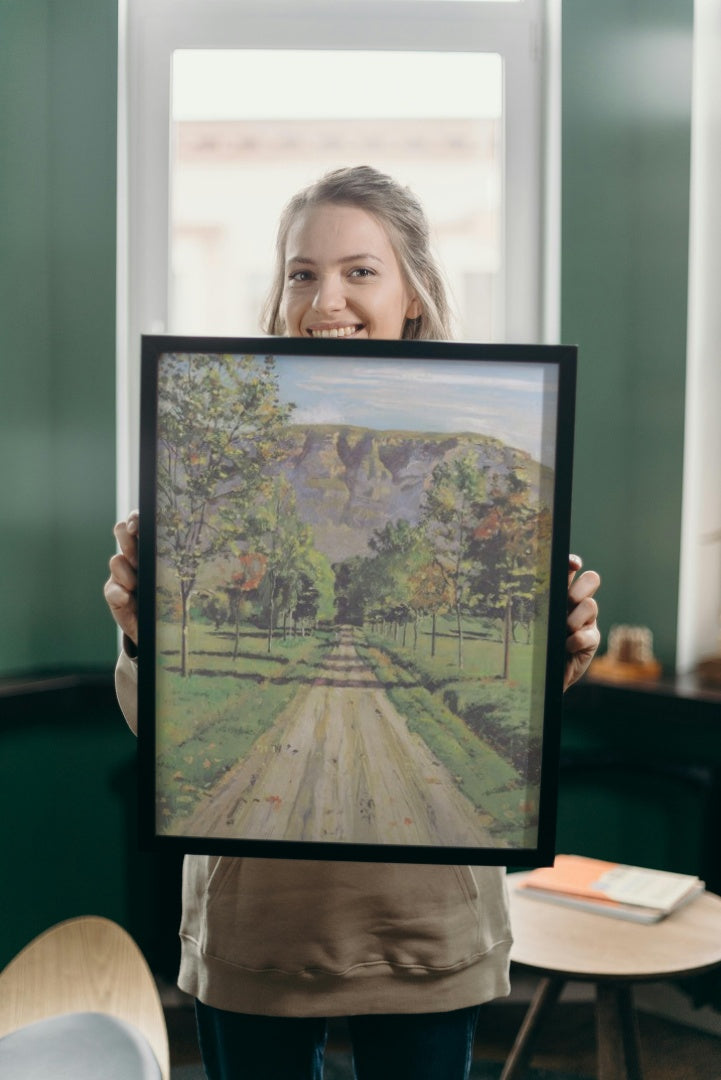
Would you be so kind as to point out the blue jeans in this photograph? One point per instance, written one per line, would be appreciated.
(415, 1046)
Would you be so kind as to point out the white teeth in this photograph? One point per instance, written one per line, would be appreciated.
(335, 332)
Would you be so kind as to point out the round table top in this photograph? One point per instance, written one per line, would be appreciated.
(559, 940)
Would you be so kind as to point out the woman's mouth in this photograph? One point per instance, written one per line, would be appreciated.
(334, 331)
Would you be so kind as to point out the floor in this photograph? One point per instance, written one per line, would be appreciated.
(669, 1050)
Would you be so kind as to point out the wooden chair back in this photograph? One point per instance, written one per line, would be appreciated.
(86, 964)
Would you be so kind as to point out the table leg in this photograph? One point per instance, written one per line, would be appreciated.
(545, 997)
(617, 1033)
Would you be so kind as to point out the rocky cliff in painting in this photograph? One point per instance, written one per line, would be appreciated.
(350, 481)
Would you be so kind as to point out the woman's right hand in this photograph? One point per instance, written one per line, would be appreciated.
(121, 587)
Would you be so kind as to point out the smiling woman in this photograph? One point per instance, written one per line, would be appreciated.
(353, 259)
(332, 292)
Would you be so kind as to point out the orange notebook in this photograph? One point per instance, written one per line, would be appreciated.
(632, 892)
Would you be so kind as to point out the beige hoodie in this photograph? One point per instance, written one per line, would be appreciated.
(286, 937)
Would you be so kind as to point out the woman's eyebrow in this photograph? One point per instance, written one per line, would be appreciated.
(361, 257)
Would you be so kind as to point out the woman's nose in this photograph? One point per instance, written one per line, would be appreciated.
(329, 296)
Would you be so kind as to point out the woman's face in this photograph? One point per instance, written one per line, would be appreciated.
(342, 277)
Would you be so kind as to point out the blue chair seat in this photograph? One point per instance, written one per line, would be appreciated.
(78, 1046)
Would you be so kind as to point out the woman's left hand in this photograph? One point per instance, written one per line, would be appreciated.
(583, 635)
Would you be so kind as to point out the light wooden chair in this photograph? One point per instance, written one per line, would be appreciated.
(89, 972)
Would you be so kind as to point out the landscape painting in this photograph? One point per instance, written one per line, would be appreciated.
(347, 641)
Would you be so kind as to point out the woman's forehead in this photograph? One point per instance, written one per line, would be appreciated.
(327, 229)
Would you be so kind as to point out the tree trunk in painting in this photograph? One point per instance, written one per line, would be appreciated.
(507, 629)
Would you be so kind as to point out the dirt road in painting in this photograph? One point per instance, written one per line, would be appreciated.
(341, 765)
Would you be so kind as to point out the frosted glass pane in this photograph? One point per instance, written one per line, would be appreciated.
(434, 121)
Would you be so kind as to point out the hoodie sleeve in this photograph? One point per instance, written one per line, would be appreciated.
(126, 688)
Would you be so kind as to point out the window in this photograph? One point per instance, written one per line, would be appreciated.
(236, 159)
(227, 107)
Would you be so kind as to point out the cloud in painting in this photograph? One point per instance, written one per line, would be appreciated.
(506, 401)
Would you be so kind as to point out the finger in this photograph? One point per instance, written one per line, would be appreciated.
(126, 534)
(584, 613)
(586, 640)
(122, 572)
(585, 585)
(119, 599)
(122, 607)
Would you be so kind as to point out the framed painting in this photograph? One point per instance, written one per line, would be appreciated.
(352, 597)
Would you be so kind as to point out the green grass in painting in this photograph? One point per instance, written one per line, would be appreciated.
(477, 725)
(209, 719)
(474, 722)
(482, 650)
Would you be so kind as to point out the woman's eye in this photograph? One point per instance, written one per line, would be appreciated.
(362, 272)
(300, 276)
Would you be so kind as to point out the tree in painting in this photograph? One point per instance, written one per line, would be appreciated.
(504, 549)
(458, 489)
(294, 570)
(219, 424)
(247, 578)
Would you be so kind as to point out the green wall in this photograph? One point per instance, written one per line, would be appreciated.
(625, 200)
(67, 762)
(68, 801)
(58, 71)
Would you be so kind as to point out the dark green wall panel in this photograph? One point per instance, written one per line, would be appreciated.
(63, 786)
(68, 798)
(58, 76)
(626, 146)
(26, 482)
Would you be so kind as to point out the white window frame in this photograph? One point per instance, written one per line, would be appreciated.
(526, 34)
(699, 598)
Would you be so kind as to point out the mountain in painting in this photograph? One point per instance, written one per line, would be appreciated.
(350, 481)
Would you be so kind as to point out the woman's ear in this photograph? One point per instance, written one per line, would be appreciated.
(415, 309)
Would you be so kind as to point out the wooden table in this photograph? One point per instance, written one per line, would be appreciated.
(563, 944)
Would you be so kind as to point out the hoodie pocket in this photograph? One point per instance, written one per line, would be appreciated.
(295, 916)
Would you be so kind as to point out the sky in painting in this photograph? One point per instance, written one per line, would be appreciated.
(514, 402)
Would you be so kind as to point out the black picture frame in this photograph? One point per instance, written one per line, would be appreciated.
(353, 573)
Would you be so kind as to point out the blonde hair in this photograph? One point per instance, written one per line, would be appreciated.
(403, 217)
